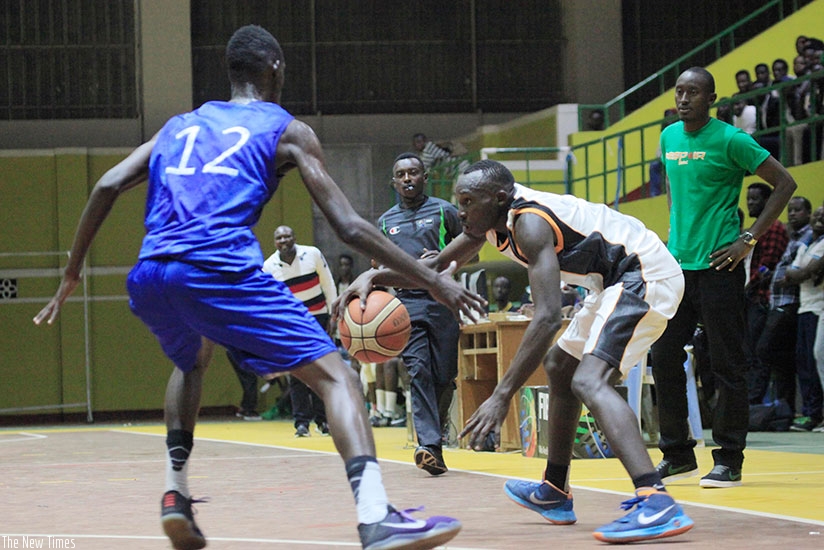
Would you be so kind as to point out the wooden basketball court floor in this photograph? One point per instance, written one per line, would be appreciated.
(99, 487)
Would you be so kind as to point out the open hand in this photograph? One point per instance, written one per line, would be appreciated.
(458, 299)
(52, 309)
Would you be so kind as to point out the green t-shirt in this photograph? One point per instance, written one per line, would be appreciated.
(706, 171)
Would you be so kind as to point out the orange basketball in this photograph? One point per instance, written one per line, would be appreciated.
(377, 333)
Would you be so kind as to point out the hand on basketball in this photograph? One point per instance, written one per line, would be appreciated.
(49, 313)
(458, 299)
(487, 419)
(360, 288)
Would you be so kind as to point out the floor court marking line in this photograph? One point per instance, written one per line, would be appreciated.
(576, 486)
(28, 437)
(155, 461)
(287, 542)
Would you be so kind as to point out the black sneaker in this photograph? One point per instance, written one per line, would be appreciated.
(322, 428)
(401, 530)
(178, 523)
(302, 430)
(805, 424)
(722, 476)
(430, 459)
(251, 416)
(670, 470)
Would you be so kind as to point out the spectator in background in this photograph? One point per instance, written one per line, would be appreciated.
(765, 256)
(810, 344)
(769, 112)
(595, 121)
(391, 378)
(762, 76)
(800, 42)
(656, 167)
(724, 110)
(776, 348)
(705, 162)
(744, 116)
(248, 385)
(304, 270)
(744, 84)
(798, 99)
(501, 287)
(803, 42)
(432, 154)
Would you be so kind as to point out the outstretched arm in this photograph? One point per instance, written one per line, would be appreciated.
(461, 250)
(299, 146)
(535, 239)
(126, 174)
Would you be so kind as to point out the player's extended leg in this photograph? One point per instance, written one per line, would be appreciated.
(655, 514)
(182, 403)
(381, 526)
(594, 383)
(551, 498)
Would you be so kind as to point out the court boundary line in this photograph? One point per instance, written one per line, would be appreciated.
(755, 513)
(29, 437)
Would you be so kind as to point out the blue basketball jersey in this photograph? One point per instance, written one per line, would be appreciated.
(205, 191)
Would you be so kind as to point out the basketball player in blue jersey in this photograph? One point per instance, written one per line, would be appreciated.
(198, 280)
(635, 286)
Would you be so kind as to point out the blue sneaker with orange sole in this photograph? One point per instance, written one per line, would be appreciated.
(656, 516)
(399, 530)
(552, 503)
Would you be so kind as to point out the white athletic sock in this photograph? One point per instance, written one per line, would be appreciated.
(177, 480)
(370, 498)
(390, 400)
(380, 399)
(179, 444)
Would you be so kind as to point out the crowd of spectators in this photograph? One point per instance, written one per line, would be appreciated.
(764, 114)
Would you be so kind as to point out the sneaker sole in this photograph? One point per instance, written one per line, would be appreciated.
(718, 484)
(563, 518)
(179, 530)
(680, 475)
(428, 462)
(680, 525)
(434, 537)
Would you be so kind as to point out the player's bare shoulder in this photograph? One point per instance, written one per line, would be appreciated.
(297, 142)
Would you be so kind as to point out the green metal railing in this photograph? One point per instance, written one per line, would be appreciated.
(616, 109)
(629, 170)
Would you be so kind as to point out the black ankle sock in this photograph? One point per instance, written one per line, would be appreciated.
(652, 479)
(557, 475)
(354, 470)
(179, 443)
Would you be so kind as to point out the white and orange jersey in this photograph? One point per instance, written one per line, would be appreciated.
(595, 245)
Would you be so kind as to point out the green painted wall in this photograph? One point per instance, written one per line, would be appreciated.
(44, 194)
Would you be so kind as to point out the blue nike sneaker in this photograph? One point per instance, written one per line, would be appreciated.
(546, 499)
(656, 516)
(400, 530)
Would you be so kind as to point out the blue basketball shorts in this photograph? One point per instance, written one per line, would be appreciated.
(251, 314)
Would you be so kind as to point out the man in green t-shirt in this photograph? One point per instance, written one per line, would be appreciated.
(705, 161)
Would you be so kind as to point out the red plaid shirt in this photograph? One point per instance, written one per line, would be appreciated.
(766, 254)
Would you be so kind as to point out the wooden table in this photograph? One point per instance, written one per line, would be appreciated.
(485, 351)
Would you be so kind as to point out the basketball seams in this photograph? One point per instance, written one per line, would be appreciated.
(372, 341)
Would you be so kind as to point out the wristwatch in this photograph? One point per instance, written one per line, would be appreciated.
(748, 238)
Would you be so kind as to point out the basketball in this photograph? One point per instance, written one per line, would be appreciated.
(377, 333)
